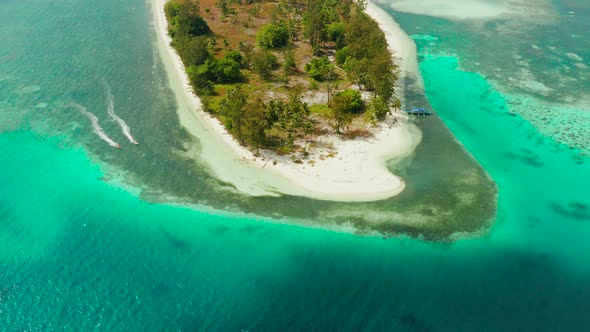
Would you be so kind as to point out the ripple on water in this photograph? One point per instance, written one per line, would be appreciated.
(28, 89)
(424, 37)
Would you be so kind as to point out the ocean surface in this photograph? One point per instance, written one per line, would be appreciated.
(95, 238)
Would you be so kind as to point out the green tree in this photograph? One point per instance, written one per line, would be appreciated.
(381, 76)
(190, 7)
(357, 70)
(352, 99)
(341, 56)
(256, 123)
(276, 117)
(345, 6)
(340, 114)
(330, 10)
(228, 71)
(221, 71)
(343, 105)
(314, 24)
(248, 50)
(181, 7)
(363, 37)
(263, 62)
(192, 50)
(172, 9)
(191, 26)
(290, 65)
(222, 4)
(297, 111)
(278, 136)
(184, 20)
(337, 33)
(232, 107)
(200, 83)
(379, 109)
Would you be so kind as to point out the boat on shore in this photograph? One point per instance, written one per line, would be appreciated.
(419, 111)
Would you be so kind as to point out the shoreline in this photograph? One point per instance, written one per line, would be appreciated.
(400, 45)
(357, 173)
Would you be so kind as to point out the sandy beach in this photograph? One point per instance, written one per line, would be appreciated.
(356, 173)
(401, 46)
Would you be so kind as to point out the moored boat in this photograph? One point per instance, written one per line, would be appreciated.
(419, 111)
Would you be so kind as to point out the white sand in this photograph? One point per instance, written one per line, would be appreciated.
(474, 9)
(356, 173)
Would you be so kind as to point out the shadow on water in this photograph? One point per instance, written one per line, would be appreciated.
(175, 241)
(525, 156)
(449, 295)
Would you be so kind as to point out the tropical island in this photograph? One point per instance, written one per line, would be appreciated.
(305, 89)
(280, 74)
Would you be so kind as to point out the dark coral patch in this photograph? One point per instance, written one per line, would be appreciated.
(574, 210)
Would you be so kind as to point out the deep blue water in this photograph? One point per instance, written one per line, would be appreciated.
(79, 253)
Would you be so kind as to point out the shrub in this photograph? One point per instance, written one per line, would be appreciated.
(313, 84)
(272, 36)
(319, 68)
(235, 56)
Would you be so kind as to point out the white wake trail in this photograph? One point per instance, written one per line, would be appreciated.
(97, 128)
(111, 110)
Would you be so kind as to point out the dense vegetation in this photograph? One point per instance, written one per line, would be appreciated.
(254, 82)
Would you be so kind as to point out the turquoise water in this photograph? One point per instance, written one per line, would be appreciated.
(79, 253)
(77, 52)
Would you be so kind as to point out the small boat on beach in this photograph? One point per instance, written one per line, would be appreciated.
(419, 111)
